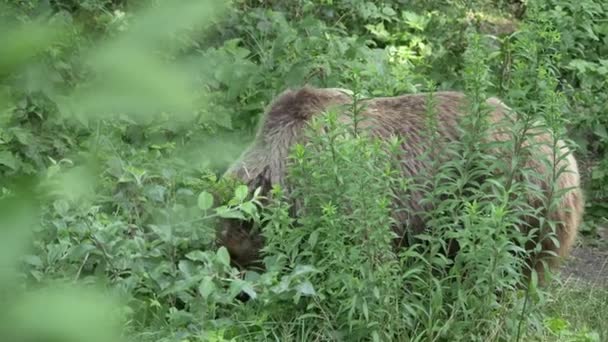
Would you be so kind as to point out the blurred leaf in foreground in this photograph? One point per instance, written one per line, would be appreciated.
(18, 217)
(62, 313)
(138, 72)
(19, 43)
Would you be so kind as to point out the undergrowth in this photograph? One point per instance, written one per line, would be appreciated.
(116, 120)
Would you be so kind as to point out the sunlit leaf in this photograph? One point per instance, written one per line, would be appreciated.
(241, 192)
(222, 256)
(205, 200)
(207, 287)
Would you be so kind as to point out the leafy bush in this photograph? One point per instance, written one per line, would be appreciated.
(584, 34)
(116, 119)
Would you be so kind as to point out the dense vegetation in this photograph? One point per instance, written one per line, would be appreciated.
(117, 117)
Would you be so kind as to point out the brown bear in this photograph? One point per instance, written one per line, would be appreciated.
(264, 163)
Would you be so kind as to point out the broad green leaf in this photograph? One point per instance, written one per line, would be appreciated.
(248, 208)
(223, 256)
(9, 160)
(187, 268)
(225, 212)
(197, 256)
(207, 287)
(388, 11)
(33, 260)
(240, 193)
(303, 269)
(312, 240)
(205, 200)
(306, 289)
(556, 325)
(600, 131)
(248, 289)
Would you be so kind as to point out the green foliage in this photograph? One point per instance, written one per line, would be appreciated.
(343, 237)
(117, 116)
(567, 320)
(584, 37)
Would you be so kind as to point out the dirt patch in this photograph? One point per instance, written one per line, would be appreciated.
(588, 265)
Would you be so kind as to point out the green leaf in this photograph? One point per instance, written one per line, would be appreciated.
(581, 66)
(61, 207)
(598, 173)
(556, 325)
(306, 289)
(303, 269)
(207, 287)
(248, 289)
(240, 193)
(156, 192)
(225, 212)
(205, 200)
(239, 285)
(9, 160)
(600, 131)
(314, 237)
(24, 137)
(223, 256)
(33, 260)
(248, 208)
(197, 256)
(187, 268)
(388, 11)
(414, 20)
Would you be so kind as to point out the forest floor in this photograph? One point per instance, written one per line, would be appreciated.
(588, 263)
(580, 297)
